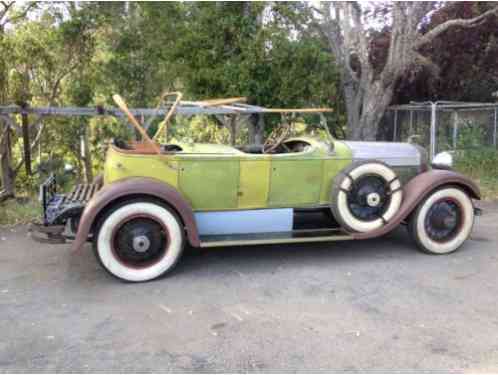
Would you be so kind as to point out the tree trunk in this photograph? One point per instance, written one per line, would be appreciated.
(6, 173)
(353, 110)
(26, 143)
(256, 128)
(365, 110)
(6, 169)
(232, 127)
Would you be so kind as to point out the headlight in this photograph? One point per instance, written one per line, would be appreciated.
(443, 160)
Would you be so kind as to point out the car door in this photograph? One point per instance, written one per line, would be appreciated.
(209, 182)
(254, 181)
(295, 179)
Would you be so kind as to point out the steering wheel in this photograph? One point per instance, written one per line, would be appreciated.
(276, 138)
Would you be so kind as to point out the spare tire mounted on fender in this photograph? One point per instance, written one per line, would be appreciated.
(365, 196)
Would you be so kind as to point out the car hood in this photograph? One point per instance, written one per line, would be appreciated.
(391, 153)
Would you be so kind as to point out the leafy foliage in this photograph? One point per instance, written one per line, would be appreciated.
(466, 58)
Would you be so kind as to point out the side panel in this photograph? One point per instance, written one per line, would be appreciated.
(295, 182)
(254, 183)
(331, 168)
(332, 165)
(244, 221)
(160, 167)
(210, 184)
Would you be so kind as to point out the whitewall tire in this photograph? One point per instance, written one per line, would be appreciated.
(443, 221)
(365, 196)
(139, 241)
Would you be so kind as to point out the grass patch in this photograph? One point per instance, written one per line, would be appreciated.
(482, 166)
(488, 185)
(20, 210)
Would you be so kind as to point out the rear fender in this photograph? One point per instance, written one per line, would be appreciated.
(417, 189)
(135, 186)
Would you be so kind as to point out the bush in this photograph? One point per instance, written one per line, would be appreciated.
(481, 162)
(482, 166)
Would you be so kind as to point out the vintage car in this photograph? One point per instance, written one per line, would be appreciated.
(153, 198)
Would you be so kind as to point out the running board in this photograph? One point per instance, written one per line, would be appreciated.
(297, 236)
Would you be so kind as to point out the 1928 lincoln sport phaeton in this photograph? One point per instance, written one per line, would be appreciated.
(154, 198)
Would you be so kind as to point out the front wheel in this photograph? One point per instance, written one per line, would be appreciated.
(443, 221)
(139, 241)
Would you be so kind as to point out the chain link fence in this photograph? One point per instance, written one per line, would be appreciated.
(442, 126)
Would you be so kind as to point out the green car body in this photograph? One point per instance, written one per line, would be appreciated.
(215, 177)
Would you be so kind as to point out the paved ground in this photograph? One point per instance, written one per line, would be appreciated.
(351, 306)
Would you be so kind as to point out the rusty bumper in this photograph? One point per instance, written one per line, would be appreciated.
(52, 234)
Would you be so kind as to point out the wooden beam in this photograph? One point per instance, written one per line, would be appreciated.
(172, 110)
(184, 108)
(121, 104)
(297, 110)
(216, 102)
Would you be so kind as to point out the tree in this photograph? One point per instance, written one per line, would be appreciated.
(251, 49)
(466, 59)
(369, 91)
(44, 52)
(9, 14)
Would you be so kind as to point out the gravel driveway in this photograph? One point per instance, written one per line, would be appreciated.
(348, 306)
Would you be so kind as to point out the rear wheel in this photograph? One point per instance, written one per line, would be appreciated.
(443, 221)
(139, 241)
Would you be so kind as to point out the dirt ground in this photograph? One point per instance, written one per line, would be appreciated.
(350, 306)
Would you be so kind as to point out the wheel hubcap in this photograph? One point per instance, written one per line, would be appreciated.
(444, 220)
(369, 197)
(140, 241)
(141, 244)
(373, 199)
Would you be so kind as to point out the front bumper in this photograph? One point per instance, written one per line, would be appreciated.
(52, 234)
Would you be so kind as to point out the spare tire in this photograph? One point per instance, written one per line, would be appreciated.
(365, 196)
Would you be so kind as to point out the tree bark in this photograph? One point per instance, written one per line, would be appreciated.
(232, 127)
(26, 143)
(6, 175)
(8, 186)
(256, 129)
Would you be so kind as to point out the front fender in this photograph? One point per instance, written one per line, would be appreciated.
(135, 186)
(417, 189)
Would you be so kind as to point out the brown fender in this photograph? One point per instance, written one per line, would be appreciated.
(417, 189)
(134, 186)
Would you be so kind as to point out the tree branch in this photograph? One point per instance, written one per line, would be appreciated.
(331, 28)
(23, 13)
(438, 30)
(4, 195)
(17, 17)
